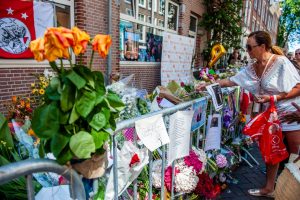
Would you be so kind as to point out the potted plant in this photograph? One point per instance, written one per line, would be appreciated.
(72, 122)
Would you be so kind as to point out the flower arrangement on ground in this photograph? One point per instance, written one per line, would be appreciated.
(77, 111)
(19, 108)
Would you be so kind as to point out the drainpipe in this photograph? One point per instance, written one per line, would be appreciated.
(109, 68)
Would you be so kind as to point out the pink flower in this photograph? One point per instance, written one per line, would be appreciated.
(193, 160)
(168, 176)
(221, 161)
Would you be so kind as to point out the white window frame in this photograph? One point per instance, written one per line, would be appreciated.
(128, 1)
(177, 17)
(192, 33)
(249, 14)
(255, 4)
(259, 7)
(142, 5)
(253, 21)
(31, 63)
(263, 11)
(153, 7)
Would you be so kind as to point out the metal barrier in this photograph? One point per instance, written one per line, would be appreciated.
(30, 166)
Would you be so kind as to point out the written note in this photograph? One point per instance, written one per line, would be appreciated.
(213, 137)
(179, 132)
(152, 132)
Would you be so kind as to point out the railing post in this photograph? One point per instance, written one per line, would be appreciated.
(29, 186)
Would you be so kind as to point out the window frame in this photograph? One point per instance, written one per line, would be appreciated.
(194, 33)
(31, 63)
(153, 24)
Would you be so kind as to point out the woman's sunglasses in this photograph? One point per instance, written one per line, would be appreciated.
(249, 47)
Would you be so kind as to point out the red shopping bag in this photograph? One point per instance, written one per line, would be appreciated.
(266, 130)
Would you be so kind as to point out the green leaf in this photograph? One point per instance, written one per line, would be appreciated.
(41, 149)
(67, 98)
(64, 156)
(58, 143)
(112, 122)
(82, 145)
(45, 121)
(99, 138)
(64, 117)
(115, 101)
(52, 93)
(74, 115)
(54, 66)
(106, 112)
(86, 103)
(5, 132)
(86, 73)
(98, 121)
(76, 79)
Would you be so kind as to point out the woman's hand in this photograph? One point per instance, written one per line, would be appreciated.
(291, 117)
(200, 87)
(261, 98)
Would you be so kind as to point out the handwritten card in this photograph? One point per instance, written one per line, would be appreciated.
(199, 108)
(179, 131)
(213, 136)
(152, 132)
(216, 94)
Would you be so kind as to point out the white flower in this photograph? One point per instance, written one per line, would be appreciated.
(156, 173)
(186, 180)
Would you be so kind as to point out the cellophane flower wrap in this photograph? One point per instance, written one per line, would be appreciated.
(77, 108)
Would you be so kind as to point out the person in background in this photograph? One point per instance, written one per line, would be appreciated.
(271, 75)
(290, 56)
(234, 58)
(297, 57)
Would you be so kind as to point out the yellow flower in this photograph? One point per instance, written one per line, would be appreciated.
(42, 79)
(57, 42)
(37, 48)
(42, 91)
(27, 104)
(34, 91)
(32, 84)
(81, 39)
(101, 43)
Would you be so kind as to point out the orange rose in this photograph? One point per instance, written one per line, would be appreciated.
(81, 39)
(57, 42)
(27, 104)
(14, 99)
(37, 48)
(101, 43)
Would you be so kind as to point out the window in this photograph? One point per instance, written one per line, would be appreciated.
(263, 11)
(255, 4)
(249, 15)
(142, 23)
(63, 14)
(257, 26)
(259, 6)
(253, 25)
(172, 16)
(142, 3)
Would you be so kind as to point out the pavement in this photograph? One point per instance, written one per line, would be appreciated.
(247, 178)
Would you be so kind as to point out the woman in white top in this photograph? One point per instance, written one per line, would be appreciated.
(271, 74)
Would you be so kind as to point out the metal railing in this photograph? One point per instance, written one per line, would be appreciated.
(30, 166)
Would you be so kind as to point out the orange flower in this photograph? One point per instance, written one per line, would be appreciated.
(101, 43)
(27, 104)
(31, 132)
(22, 103)
(57, 42)
(14, 99)
(81, 39)
(37, 48)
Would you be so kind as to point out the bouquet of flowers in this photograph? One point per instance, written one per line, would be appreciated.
(73, 120)
(19, 108)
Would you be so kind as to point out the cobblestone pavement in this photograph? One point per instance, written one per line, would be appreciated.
(247, 178)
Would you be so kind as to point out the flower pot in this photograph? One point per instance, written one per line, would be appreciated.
(93, 167)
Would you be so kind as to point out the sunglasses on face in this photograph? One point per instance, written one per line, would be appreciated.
(297, 53)
(249, 47)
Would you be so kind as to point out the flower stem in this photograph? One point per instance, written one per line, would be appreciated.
(91, 61)
(61, 65)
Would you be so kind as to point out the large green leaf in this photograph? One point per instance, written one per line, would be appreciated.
(106, 112)
(45, 121)
(64, 117)
(82, 145)
(115, 101)
(5, 132)
(86, 73)
(99, 137)
(58, 143)
(86, 103)
(67, 98)
(64, 156)
(98, 121)
(74, 116)
(52, 93)
(76, 79)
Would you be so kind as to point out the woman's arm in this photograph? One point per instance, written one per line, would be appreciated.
(226, 83)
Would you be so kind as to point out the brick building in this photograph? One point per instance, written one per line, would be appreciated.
(260, 15)
(140, 19)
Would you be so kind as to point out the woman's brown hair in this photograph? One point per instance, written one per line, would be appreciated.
(263, 37)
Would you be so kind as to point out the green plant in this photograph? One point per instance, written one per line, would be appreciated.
(78, 109)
